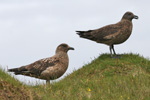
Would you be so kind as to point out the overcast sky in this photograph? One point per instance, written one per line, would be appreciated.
(32, 29)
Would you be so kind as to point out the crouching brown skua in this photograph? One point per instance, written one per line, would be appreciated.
(48, 68)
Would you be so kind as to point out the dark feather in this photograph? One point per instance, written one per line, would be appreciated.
(36, 68)
(99, 34)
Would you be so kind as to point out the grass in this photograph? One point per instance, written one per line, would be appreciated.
(12, 89)
(104, 78)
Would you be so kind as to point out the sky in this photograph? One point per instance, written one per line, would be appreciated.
(32, 29)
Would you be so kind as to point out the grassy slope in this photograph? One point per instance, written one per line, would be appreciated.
(104, 78)
(12, 89)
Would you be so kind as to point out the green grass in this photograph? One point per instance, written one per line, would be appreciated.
(104, 78)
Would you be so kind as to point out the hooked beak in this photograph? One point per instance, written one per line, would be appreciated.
(70, 48)
(136, 17)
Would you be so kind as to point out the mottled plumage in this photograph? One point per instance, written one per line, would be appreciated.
(49, 68)
(111, 34)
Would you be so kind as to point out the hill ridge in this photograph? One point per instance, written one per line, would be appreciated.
(104, 78)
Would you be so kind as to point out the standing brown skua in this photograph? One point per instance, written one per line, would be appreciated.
(111, 34)
(49, 68)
